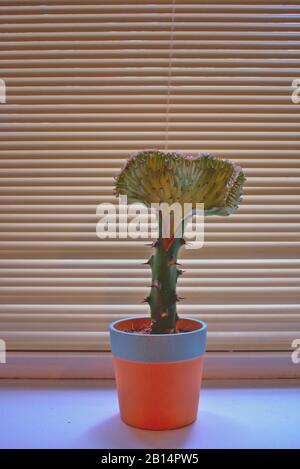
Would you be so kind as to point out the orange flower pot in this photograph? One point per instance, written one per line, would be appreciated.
(158, 375)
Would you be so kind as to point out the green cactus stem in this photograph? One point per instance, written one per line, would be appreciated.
(163, 297)
(156, 177)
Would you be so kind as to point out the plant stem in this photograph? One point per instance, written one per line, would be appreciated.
(163, 298)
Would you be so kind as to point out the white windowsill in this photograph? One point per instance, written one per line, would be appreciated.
(84, 414)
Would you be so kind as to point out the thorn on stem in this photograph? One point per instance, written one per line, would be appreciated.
(179, 298)
(173, 261)
(148, 262)
(156, 284)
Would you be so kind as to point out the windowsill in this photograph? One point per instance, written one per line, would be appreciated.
(84, 414)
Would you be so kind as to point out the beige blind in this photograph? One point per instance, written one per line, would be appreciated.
(86, 86)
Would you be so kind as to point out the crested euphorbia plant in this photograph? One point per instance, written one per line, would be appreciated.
(155, 177)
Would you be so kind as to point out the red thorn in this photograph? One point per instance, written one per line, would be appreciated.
(156, 284)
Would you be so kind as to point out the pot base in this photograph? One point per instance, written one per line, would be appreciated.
(158, 396)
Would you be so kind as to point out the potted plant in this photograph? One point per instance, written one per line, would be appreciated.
(158, 359)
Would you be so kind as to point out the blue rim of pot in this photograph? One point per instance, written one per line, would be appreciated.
(157, 348)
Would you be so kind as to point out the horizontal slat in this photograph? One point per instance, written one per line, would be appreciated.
(134, 2)
(38, 173)
(143, 61)
(176, 135)
(245, 208)
(126, 274)
(183, 119)
(110, 166)
(138, 7)
(87, 323)
(94, 194)
(257, 234)
(100, 340)
(143, 281)
(79, 128)
(38, 84)
(90, 209)
(132, 90)
(161, 21)
(149, 99)
(114, 54)
(137, 262)
(93, 218)
(103, 184)
(184, 45)
(254, 236)
(108, 249)
(124, 153)
(150, 16)
(90, 295)
(285, 189)
(58, 200)
(152, 88)
(150, 107)
(134, 309)
(154, 44)
(131, 69)
(108, 143)
(230, 37)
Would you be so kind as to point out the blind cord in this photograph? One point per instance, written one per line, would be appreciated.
(169, 83)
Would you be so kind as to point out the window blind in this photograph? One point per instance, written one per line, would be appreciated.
(86, 86)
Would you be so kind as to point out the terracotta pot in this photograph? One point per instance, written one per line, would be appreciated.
(158, 375)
